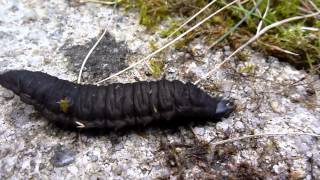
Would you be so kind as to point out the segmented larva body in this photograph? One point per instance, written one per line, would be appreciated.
(115, 106)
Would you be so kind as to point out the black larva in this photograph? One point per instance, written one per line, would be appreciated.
(115, 106)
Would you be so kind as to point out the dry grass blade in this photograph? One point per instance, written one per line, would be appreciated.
(190, 19)
(261, 136)
(310, 28)
(237, 25)
(264, 30)
(263, 17)
(88, 55)
(168, 44)
(279, 49)
(313, 5)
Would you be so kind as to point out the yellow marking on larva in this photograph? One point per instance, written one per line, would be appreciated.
(64, 105)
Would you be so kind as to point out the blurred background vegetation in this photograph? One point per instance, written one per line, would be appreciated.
(297, 42)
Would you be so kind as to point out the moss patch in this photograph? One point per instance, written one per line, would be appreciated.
(291, 37)
(157, 66)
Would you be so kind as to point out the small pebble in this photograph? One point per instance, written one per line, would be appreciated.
(295, 97)
(92, 156)
(73, 169)
(62, 158)
(7, 95)
(199, 131)
(277, 107)
(239, 126)
(118, 170)
(222, 126)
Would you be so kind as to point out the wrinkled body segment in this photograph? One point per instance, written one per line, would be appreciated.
(115, 106)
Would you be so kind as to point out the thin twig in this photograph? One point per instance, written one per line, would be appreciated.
(262, 135)
(305, 5)
(264, 30)
(88, 55)
(313, 5)
(310, 28)
(280, 49)
(304, 10)
(190, 19)
(236, 26)
(263, 17)
(168, 44)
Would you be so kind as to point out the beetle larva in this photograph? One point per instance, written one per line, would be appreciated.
(117, 105)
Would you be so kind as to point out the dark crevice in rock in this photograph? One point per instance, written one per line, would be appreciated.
(108, 57)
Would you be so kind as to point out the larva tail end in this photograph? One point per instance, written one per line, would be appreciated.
(10, 80)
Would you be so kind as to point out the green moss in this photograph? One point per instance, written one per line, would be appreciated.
(172, 27)
(182, 43)
(317, 24)
(303, 42)
(285, 9)
(248, 69)
(157, 67)
(152, 12)
(153, 45)
(288, 37)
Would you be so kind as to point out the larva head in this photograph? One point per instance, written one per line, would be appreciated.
(224, 108)
(10, 80)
